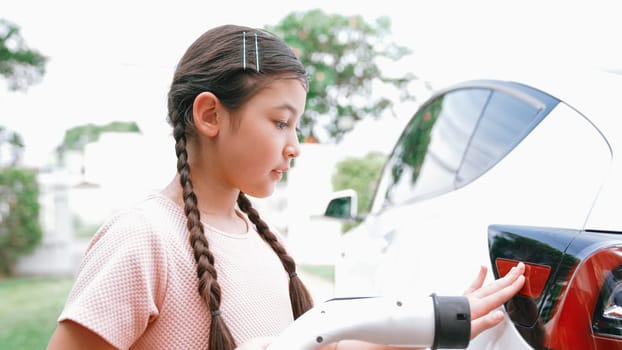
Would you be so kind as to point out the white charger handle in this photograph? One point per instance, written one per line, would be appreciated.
(381, 320)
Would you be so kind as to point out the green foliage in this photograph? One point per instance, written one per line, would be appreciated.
(20, 230)
(21, 65)
(77, 137)
(12, 137)
(29, 309)
(361, 175)
(342, 56)
(16, 145)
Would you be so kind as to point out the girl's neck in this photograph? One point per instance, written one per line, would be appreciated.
(217, 206)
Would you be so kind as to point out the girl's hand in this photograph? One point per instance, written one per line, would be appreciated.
(260, 343)
(485, 300)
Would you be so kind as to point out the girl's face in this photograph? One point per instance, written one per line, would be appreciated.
(257, 148)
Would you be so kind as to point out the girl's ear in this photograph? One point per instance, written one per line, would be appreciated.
(205, 114)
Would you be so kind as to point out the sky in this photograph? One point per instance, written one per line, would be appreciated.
(114, 60)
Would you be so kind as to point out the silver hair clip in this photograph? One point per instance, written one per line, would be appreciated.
(256, 53)
(244, 50)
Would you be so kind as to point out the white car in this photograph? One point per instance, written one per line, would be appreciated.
(494, 171)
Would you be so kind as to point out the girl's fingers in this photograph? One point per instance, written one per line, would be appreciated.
(479, 280)
(490, 297)
(500, 283)
(487, 321)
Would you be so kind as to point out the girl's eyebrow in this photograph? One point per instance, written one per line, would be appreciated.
(288, 107)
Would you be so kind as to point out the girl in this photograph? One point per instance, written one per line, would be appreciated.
(194, 266)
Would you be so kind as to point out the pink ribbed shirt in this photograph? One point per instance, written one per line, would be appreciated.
(137, 285)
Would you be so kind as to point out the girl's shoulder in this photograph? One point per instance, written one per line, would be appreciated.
(150, 220)
(124, 275)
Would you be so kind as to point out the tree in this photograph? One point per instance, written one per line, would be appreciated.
(77, 137)
(342, 56)
(15, 144)
(360, 175)
(20, 229)
(21, 65)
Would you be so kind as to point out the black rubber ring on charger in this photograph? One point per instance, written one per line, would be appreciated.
(452, 322)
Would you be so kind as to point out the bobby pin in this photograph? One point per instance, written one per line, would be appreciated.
(244, 50)
(256, 53)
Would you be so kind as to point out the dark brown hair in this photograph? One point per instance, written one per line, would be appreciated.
(215, 63)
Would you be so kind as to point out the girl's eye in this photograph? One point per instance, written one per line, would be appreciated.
(281, 125)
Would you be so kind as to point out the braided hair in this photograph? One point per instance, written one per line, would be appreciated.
(225, 62)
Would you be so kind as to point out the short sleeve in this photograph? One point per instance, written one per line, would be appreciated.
(121, 282)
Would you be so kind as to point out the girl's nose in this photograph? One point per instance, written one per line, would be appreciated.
(292, 149)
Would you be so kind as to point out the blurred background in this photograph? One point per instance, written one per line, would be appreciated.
(83, 105)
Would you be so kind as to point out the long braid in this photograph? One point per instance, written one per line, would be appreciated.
(220, 337)
(300, 297)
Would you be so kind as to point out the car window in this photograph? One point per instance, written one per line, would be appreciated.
(429, 152)
(504, 123)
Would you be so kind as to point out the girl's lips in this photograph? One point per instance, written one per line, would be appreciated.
(278, 174)
(283, 170)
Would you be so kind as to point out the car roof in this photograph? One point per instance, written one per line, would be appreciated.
(597, 95)
(594, 93)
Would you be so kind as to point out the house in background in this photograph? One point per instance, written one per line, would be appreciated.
(122, 168)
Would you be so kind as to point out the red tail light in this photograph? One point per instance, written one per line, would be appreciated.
(590, 297)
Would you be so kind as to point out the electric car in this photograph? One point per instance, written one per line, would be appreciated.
(492, 171)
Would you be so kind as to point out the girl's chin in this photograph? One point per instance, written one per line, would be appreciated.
(262, 193)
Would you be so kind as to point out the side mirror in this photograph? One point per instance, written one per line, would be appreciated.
(343, 205)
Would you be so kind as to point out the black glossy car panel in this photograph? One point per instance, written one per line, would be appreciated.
(533, 245)
(585, 279)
